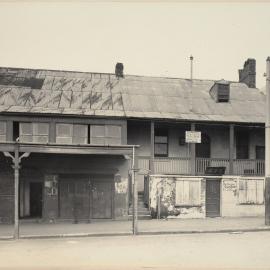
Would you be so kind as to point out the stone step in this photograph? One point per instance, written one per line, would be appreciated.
(142, 217)
(140, 208)
(130, 210)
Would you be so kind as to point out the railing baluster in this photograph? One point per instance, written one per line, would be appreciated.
(181, 165)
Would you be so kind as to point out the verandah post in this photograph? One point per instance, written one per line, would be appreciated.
(231, 147)
(152, 143)
(16, 191)
(192, 153)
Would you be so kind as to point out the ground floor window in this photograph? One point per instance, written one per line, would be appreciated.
(188, 192)
(251, 191)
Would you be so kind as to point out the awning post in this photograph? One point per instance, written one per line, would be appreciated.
(16, 159)
(16, 191)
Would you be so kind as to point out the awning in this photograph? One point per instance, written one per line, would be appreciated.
(52, 148)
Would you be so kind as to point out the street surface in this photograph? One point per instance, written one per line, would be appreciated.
(185, 251)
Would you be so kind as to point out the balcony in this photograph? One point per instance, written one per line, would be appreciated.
(172, 165)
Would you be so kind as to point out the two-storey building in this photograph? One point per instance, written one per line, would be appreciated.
(74, 131)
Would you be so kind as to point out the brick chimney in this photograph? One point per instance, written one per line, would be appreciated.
(119, 70)
(247, 75)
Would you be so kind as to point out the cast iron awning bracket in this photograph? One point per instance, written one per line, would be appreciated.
(24, 155)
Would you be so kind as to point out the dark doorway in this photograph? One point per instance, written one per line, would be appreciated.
(203, 149)
(213, 198)
(242, 144)
(36, 199)
(260, 152)
(101, 200)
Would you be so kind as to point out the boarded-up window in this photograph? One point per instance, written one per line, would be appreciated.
(188, 192)
(105, 134)
(251, 191)
(71, 134)
(34, 132)
(3, 131)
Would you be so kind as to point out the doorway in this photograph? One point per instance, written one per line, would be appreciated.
(36, 196)
(213, 198)
(102, 200)
(74, 198)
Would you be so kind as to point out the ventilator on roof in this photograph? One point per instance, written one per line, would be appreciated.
(220, 91)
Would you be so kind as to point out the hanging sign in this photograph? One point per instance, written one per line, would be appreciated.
(193, 137)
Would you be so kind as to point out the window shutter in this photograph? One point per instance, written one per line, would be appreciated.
(195, 196)
(188, 192)
(3, 131)
(242, 191)
(80, 133)
(260, 191)
(26, 132)
(64, 133)
(40, 132)
(251, 191)
(179, 192)
(97, 133)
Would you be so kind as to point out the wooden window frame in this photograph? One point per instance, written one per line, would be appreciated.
(188, 202)
(5, 132)
(166, 134)
(33, 135)
(106, 136)
(246, 183)
(71, 137)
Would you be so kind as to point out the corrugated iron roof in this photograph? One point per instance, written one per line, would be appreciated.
(84, 93)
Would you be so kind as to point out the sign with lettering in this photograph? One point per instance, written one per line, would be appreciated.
(193, 137)
(229, 184)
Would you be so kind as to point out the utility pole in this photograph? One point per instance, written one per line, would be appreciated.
(135, 194)
(267, 146)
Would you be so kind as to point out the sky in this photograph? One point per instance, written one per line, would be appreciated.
(152, 39)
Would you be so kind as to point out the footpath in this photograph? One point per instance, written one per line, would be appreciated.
(32, 229)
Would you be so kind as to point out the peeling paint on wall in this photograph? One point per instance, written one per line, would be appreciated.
(122, 186)
(162, 195)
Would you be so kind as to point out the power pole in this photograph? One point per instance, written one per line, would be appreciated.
(267, 145)
(135, 194)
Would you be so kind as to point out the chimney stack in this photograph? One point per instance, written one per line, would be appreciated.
(119, 70)
(247, 75)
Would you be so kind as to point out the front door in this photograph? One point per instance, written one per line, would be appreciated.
(74, 198)
(36, 199)
(101, 200)
(213, 198)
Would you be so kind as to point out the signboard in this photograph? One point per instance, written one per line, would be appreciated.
(229, 184)
(193, 137)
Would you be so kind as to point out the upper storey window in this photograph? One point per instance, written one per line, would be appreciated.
(161, 142)
(71, 134)
(3, 131)
(105, 134)
(34, 132)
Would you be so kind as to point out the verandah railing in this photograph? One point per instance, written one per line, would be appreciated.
(182, 165)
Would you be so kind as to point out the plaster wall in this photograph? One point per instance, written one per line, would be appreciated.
(230, 206)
